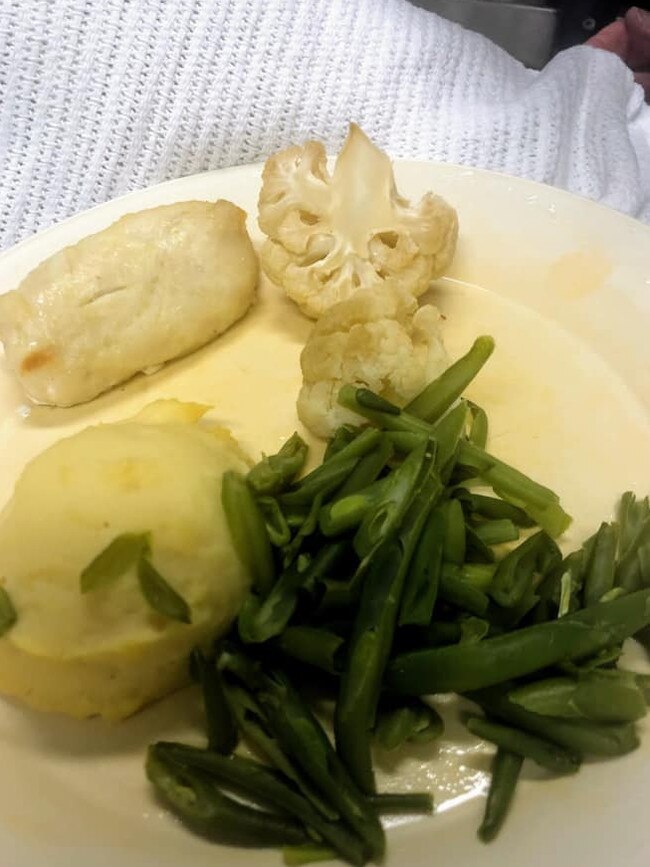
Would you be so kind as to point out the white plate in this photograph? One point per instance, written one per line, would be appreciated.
(565, 287)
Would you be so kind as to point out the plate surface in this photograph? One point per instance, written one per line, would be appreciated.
(564, 285)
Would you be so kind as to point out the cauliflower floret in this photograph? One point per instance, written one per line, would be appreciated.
(379, 339)
(329, 236)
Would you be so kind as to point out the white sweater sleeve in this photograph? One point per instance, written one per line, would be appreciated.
(100, 98)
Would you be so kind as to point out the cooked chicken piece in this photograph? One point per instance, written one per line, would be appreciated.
(155, 285)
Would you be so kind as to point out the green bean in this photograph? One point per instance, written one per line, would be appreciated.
(370, 400)
(259, 621)
(510, 484)
(248, 530)
(586, 550)
(475, 548)
(261, 784)
(550, 697)
(564, 606)
(423, 575)
(544, 753)
(493, 509)
(405, 441)
(404, 722)
(388, 421)
(248, 617)
(580, 736)
(197, 800)
(478, 432)
(497, 532)
(273, 473)
(473, 629)
(479, 575)
(406, 804)
(343, 436)
(439, 395)
(600, 696)
(277, 525)
(368, 469)
(610, 696)
(509, 619)
(302, 736)
(459, 593)
(447, 433)
(374, 625)
(322, 481)
(599, 578)
(643, 682)
(336, 596)
(222, 730)
(454, 543)
(628, 569)
(506, 768)
(308, 853)
(562, 587)
(255, 726)
(631, 515)
(346, 512)
(383, 520)
(468, 667)
(295, 515)
(515, 574)
(328, 561)
(603, 659)
(643, 556)
(367, 656)
(313, 646)
(614, 593)
(292, 552)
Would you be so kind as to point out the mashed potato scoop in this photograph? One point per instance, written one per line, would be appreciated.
(155, 285)
(108, 652)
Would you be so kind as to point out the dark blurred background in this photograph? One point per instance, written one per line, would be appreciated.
(532, 30)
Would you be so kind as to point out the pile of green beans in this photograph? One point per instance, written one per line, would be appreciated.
(389, 573)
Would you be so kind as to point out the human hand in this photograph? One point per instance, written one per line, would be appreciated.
(629, 38)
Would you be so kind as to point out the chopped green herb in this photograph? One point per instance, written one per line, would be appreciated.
(116, 559)
(160, 595)
(7, 612)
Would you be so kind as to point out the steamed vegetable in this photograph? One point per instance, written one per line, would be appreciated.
(380, 338)
(440, 394)
(248, 530)
(544, 753)
(461, 668)
(506, 768)
(331, 235)
(389, 582)
(205, 808)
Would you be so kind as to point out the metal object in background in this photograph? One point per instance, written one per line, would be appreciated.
(582, 18)
(526, 30)
(532, 30)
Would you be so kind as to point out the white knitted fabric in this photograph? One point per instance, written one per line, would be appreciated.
(98, 97)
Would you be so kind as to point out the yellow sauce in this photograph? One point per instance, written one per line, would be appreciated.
(579, 273)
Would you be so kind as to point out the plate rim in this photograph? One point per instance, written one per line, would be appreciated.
(606, 210)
